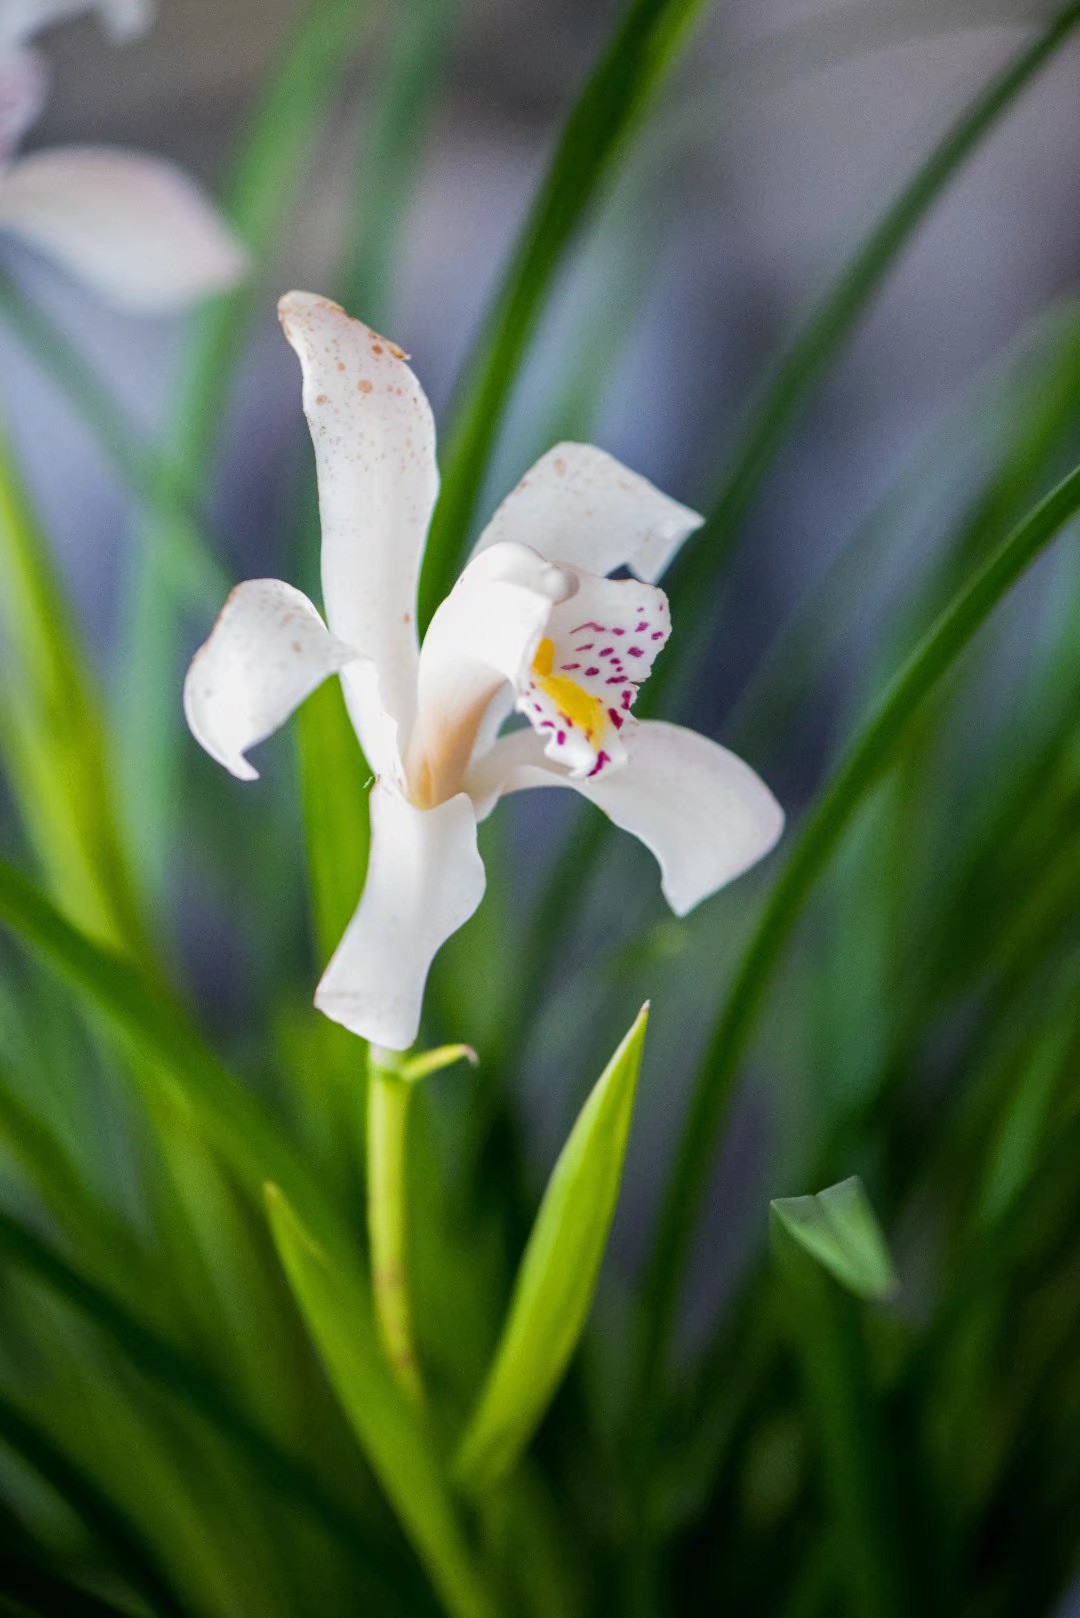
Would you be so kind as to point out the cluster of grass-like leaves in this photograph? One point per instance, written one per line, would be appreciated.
(196, 1415)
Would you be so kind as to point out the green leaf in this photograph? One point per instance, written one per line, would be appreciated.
(189, 1380)
(51, 731)
(857, 1462)
(169, 1050)
(131, 1553)
(339, 1316)
(336, 823)
(832, 321)
(610, 107)
(838, 1227)
(862, 764)
(557, 1278)
(267, 174)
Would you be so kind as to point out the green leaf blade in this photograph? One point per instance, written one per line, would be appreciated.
(838, 1227)
(603, 119)
(557, 1278)
(339, 1317)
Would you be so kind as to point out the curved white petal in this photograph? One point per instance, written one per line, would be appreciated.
(600, 646)
(133, 228)
(701, 811)
(484, 634)
(24, 84)
(268, 651)
(374, 440)
(580, 505)
(21, 19)
(425, 878)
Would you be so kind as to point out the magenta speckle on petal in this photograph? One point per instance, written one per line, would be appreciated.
(561, 738)
(607, 651)
(644, 624)
(590, 672)
(616, 679)
(616, 718)
(569, 666)
(636, 651)
(627, 698)
(658, 634)
(618, 631)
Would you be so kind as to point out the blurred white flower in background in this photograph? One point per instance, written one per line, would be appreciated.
(134, 228)
(533, 624)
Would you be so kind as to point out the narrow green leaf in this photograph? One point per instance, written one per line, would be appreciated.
(862, 764)
(838, 1227)
(185, 550)
(31, 1588)
(557, 1279)
(803, 364)
(826, 1332)
(44, 1157)
(609, 109)
(336, 825)
(169, 1049)
(267, 172)
(132, 1555)
(832, 321)
(391, 146)
(51, 730)
(336, 1307)
(188, 1380)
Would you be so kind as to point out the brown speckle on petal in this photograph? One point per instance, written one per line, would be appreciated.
(364, 385)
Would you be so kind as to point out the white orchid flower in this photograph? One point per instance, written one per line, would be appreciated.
(533, 623)
(135, 229)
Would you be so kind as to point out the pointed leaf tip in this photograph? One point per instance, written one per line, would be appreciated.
(839, 1228)
(556, 1281)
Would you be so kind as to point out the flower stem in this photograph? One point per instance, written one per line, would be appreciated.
(389, 1097)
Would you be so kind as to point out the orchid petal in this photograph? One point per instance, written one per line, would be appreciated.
(424, 881)
(22, 19)
(24, 84)
(374, 440)
(701, 811)
(268, 651)
(483, 635)
(133, 228)
(581, 506)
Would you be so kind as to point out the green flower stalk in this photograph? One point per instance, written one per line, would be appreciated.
(390, 1085)
(389, 1098)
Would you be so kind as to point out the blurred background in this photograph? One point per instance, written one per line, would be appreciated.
(778, 141)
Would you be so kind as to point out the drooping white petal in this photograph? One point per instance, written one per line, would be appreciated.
(268, 651)
(599, 648)
(483, 635)
(374, 440)
(24, 84)
(424, 881)
(701, 811)
(21, 19)
(580, 505)
(133, 228)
